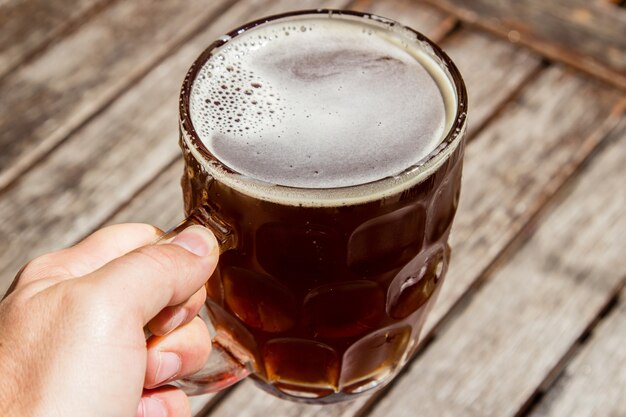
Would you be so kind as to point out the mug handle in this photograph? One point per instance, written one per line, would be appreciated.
(224, 366)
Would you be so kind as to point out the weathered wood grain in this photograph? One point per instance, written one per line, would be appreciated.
(505, 182)
(199, 402)
(593, 383)
(586, 34)
(516, 164)
(417, 15)
(103, 164)
(250, 401)
(28, 26)
(159, 204)
(44, 101)
(100, 190)
(492, 69)
(491, 360)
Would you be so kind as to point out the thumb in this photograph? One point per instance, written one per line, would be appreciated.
(156, 276)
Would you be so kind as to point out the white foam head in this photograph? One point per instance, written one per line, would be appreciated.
(321, 102)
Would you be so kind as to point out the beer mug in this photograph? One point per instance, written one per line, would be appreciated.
(324, 150)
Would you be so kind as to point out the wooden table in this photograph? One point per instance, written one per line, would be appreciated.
(532, 319)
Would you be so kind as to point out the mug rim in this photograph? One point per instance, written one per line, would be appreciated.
(337, 196)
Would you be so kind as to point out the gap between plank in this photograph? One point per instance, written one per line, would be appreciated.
(547, 49)
(446, 28)
(59, 34)
(132, 198)
(217, 397)
(554, 197)
(530, 77)
(28, 162)
(558, 370)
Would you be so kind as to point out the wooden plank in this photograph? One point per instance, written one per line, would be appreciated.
(29, 26)
(494, 357)
(493, 71)
(103, 164)
(44, 101)
(593, 383)
(504, 185)
(517, 164)
(419, 16)
(586, 34)
(199, 402)
(159, 204)
(104, 190)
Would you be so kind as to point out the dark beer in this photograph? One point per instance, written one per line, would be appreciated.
(327, 144)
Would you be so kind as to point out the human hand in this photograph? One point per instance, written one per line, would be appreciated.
(72, 342)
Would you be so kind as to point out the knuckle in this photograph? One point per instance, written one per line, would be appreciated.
(42, 266)
(34, 266)
(8, 306)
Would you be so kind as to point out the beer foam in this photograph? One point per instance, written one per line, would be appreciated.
(321, 102)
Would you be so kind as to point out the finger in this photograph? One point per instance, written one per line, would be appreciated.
(171, 317)
(90, 254)
(153, 277)
(181, 353)
(165, 401)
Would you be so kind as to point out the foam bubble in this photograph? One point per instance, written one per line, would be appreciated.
(319, 103)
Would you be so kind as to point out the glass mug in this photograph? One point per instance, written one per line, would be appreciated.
(320, 294)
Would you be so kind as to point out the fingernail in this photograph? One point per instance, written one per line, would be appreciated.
(179, 316)
(169, 366)
(197, 240)
(151, 407)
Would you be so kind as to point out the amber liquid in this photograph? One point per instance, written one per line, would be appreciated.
(328, 302)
